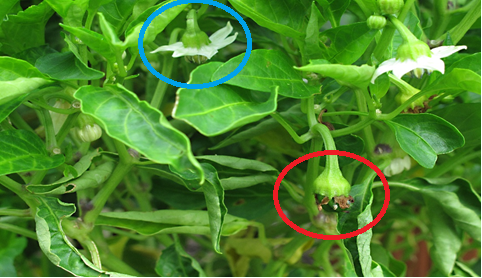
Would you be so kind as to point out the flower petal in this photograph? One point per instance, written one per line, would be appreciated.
(225, 42)
(403, 67)
(221, 34)
(431, 63)
(185, 51)
(388, 65)
(444, 51)
(171, 47)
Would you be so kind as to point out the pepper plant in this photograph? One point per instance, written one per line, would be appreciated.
(106, 170)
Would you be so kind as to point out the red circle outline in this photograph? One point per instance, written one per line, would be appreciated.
(331, 152)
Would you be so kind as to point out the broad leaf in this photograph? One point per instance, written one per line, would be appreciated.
(286, 17)
(466, 118)
(23, 151)
(170, 221)
(116, 12)
(267, 69)
(354, 76)
(333, 9)
(457, 80)
(311, 48)
(71, 11)
(14, 246)
(8, 107)
(445, 237)
(157, 25)
(138, 125)
(175, 262)
(218, 109)
(214, 195)
(424, 136)
(55, 244)
(348, 42)
(65, 66)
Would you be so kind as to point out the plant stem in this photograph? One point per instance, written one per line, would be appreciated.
(20, 190)
(19, 122)
(16, 212)
(352, 129)
(312, 173)
(297, 197)
(46, 121)
(124, 166)
(167, 66)
(298, 139)
(458, 32)
(388, 32)
(18, 230)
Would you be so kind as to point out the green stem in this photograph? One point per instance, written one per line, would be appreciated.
(16, 212)
(43, 104)
(18, 230)
(65, 129)
(458, 32)
(352, 129)
(328, 114)
(459, 158)
(298, 139)
(396, 184)
(94, 252)
(331, 160)
(20, 190)
(406, 34)
(312, 173)
(120, 66)
(19, 122)
(167, 67)
(46, 121)
(440, 19)
(367, 130)
(297, 197)
(388, 32)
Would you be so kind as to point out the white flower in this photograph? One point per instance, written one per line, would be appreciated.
(397, 166)
(402, 65)
(217, 40)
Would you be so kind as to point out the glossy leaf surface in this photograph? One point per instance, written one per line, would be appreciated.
(138, 125)
(267, 69)
(424, 136)
(65, 66)
(218, 109)
(23, 151)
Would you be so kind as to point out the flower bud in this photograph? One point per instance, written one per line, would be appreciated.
(87, 129)
(390, 6)
(376, 22)
(193, 37)
(412, 50)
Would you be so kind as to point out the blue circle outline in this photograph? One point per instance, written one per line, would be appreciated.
(142, 32)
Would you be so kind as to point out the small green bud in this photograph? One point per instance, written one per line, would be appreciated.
(390, 6)
(87, 129)
(376, 22)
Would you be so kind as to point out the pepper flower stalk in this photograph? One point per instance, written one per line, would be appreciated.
(330, 183)
(195, 45)
(414, 55)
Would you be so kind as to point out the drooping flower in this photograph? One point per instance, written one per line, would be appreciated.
(397, 166)
(415, 55)
(196, 45)
(87, 130)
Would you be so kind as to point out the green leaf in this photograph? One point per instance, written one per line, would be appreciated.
(23, 151)
(157, 25)
(311, 48)
(214, 195)
(238, 163)
(232, 183)
(424, 136)
(71, 11)
(267, 69)
(95, 41)
(348, 42)
(470, 62)
(108, 31)
(116, 12)
(65, 66)
(363, 240)
(8, 107)
(169, 221)
(55, 244)
(445, 238)
(355, 76)
(12, 69)
(286, 17)
(175, 262)
(14, 247)
(457, 199)
(457, 80)
(26, 29)
(216, 110)
(334, 9)
(381, 86)
(466, 118)
(138, 125)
